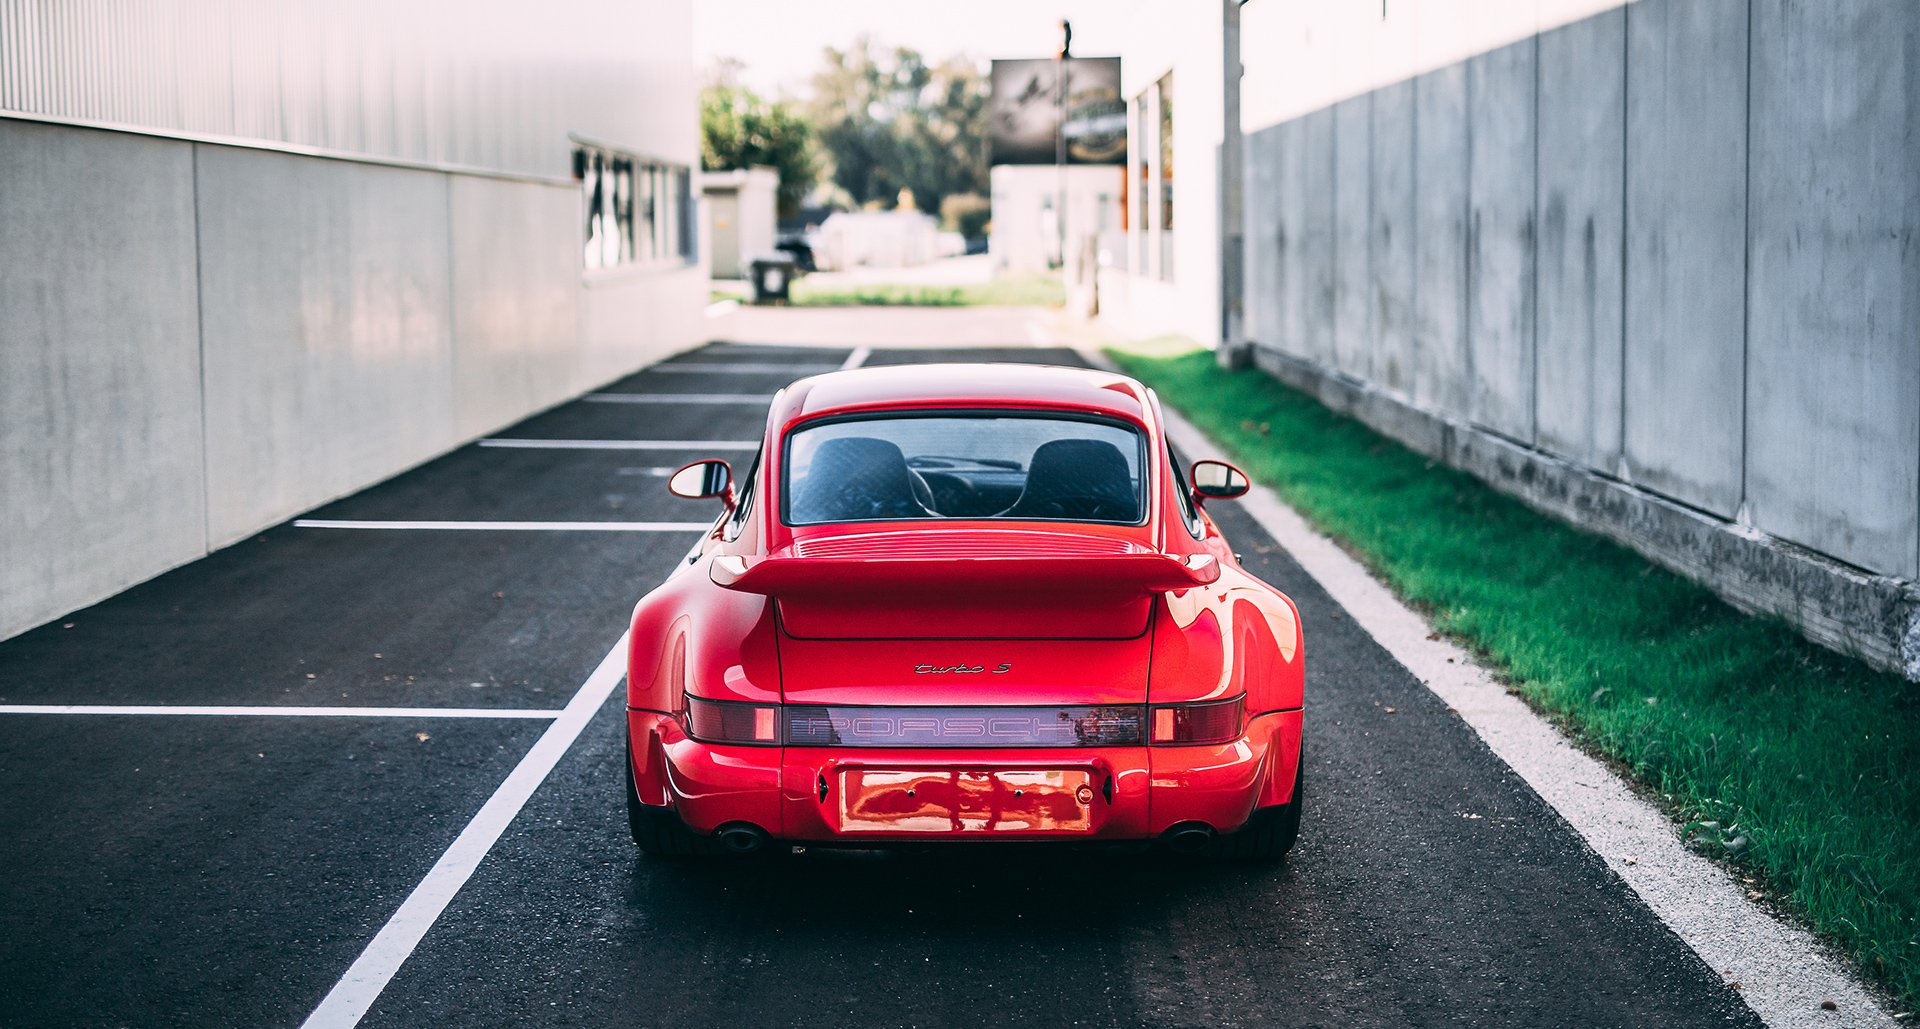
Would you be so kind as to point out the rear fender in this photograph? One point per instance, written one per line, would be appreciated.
(1237, 636)
(692, 635)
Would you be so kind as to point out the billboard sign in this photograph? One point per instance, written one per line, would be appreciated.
(1024, 110)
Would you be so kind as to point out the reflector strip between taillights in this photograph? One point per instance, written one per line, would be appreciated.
(1104, 725)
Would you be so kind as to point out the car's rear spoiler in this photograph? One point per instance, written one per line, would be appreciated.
(779, 576)
(930, 563)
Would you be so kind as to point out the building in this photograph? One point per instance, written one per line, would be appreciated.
(1166, 278)
(254, 256)
(741, 205)
(1649, 266)
(1026, 227)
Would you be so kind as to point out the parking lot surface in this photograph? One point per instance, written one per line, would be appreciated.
(345, 692)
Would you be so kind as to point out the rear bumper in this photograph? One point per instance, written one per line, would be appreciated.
(860, 796)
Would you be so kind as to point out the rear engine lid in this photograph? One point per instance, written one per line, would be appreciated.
(964, 673)
(945, 584)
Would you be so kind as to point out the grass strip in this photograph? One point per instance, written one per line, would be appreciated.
(1795, 765)
(1040, 290)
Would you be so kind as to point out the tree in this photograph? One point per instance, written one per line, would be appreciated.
(895, 122)
(738, 128)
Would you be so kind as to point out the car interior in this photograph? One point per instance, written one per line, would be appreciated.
(858, 478)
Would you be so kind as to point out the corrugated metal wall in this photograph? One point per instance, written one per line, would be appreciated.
(497, 86)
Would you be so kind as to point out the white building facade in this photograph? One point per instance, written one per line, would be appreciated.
(254, 256)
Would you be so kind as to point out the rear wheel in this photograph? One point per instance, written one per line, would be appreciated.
(657, 831)
(1271, 832)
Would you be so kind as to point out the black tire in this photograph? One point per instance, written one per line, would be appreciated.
(660, 833)
(1271, 832)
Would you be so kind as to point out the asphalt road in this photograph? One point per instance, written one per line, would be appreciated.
(166, 870)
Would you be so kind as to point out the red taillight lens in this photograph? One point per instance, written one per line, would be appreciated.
(720, 721)
(1215, 722)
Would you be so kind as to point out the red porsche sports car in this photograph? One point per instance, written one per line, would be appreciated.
(962, 603)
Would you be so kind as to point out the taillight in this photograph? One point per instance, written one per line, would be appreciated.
(1214, 722)
(725, 721)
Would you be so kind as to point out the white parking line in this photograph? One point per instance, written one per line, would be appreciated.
(679, 398)
(274, 712)
(744, 368)
(857, 358)
(334, 523)
(623, 444)
(356, 991)
(1784, 972)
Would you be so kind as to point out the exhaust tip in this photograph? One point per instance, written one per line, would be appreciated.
(742, 839)
(1188, 837)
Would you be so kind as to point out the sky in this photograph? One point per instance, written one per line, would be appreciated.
(780, 40)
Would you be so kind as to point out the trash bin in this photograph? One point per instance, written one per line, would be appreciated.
(771, 278)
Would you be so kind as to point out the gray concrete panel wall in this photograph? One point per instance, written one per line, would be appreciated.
(1579, 337)
(1833, 342)
(1392, 238)
(1319, 187)
(197, 341)
(325, 313)
(1686, 248)
(1442, 364)
(515, 301)
(1671, 247)
(100, 446)
(1500, 283)
(1352, 242)
(1289, 155)
(1272, 294)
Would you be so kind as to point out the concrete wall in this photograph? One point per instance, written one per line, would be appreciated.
(101, 465)
(1670, 244)
(328, 323)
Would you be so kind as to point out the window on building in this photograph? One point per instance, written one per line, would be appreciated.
(1165, 90)
(1143, 195)
(633, 211)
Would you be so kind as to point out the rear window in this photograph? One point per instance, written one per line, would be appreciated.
(1052, 467)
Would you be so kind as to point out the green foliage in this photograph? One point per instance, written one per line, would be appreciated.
(894, 122)
(1042, 290)
(739, 129)
(1791, 763)
(967, 214)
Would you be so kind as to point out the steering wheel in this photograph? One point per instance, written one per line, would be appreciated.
(921, 491)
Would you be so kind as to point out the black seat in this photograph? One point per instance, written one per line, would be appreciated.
(855, 479)
(1082, 479)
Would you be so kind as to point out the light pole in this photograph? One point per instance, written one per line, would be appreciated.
(1060, 139)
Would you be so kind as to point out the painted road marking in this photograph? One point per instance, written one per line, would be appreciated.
(1783, 971)
(679, 398)
(623, 444)
(274, 712)
(745, 367)
(857, 358)
(334, 523)
(356, 991)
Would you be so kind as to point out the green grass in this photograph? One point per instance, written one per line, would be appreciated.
(1799, 767)
(1024, 290)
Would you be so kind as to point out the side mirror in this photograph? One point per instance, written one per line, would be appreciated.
(1218, 480)
(702, 480)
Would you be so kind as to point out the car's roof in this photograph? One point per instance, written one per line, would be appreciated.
(938, 385)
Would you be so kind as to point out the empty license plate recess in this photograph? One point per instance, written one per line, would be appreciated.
(965, 801)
